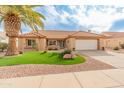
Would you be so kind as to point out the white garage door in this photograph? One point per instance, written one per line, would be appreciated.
(86, 45)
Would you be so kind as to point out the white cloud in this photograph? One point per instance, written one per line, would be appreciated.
(100, 20)
(72, 7)
(95, 18)
(53, 17)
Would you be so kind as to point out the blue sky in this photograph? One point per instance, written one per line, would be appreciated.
(98, 18)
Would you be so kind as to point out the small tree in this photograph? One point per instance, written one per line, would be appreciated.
(116, 48)
(122, 46)
(64, 52)
(3, 46)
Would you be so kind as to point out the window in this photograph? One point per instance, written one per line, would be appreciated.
(52, 42)
(31, 42)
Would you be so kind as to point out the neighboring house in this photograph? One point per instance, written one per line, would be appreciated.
(3, 37)
(114, 39)
(74, 40)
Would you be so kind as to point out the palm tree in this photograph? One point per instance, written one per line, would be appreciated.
(12, 18)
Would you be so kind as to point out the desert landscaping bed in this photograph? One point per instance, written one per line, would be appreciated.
(41, 69)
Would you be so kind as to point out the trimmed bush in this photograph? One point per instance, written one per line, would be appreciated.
(103, 48)
(3, 46)
(65, 52)
(43, 52)
(54, 54)
(73, 49)
(122, 46)
(116, 48)
(20, 52)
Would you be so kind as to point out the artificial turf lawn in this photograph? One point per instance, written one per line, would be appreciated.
(39, 58)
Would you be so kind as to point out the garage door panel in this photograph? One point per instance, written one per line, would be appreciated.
(86, 45)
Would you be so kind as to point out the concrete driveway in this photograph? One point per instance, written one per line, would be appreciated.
(112, 58)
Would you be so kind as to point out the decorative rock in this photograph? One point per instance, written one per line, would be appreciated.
(67, 56)
(73, 55)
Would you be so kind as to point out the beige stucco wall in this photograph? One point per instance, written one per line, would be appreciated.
(21, 44)
(113, 42)
(101, 43)
(41, 44)
(70, 43)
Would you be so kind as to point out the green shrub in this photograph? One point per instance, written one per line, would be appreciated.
(20, 52)
(3, 46)
(73, 49)
(43, 52)
(122, 46)
(54, 54)
(65, 52)
(116, 48)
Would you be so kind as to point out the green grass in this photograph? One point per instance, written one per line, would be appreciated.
(39, 58)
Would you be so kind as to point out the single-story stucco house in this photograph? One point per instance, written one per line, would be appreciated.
(73, 40)
(114, 39)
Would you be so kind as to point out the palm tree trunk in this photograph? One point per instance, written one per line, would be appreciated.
(12, 48)
(12, 25)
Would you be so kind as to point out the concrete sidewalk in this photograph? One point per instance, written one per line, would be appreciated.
(84, 79)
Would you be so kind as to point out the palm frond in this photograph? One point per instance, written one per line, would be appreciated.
(1, 20)
(27, 14)
(34, 6)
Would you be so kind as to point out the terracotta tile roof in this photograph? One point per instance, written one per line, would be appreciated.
(32, 34)
(56, 34)
(85, 34)
(53, 34)
(114, 34)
